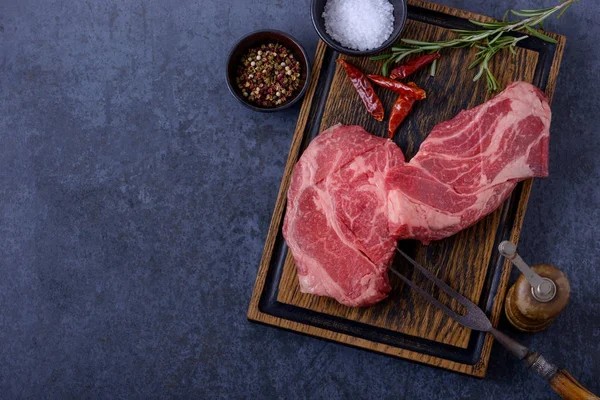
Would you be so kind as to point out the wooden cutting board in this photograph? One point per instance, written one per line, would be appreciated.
(405, 325)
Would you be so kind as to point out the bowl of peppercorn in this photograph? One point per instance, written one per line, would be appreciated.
(268, 71)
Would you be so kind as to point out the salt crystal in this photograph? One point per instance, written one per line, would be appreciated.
(359, 24)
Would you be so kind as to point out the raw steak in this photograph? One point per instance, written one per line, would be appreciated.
(469, 165)
(336, 222)
(353, 196)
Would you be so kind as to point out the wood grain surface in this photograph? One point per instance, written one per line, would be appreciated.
(461, 260)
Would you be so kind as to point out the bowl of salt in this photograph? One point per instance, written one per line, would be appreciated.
(359, 27)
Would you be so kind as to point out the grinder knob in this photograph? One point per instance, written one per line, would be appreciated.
(538, 295)
(525, 312)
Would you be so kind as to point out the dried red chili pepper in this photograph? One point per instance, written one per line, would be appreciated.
(365, 90)
(398, 87)
(412, 66)
(400, 111)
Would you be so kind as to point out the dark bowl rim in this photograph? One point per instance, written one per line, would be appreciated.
(341, 49)
(290, 103)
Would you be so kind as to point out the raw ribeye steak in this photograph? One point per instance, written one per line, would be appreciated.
(353, 196)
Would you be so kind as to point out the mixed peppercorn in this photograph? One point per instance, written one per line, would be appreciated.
(268, 75)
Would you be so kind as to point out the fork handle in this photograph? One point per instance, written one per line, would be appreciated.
(568, 388)
(561, 381)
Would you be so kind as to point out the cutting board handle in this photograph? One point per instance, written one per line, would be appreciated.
(568, 388)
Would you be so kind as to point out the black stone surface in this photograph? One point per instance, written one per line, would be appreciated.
(136, 193)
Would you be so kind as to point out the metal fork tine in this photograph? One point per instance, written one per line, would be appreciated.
(440, 283)
(446, 310)
(474, 318)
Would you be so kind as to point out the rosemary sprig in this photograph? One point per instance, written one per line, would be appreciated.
(489, 39)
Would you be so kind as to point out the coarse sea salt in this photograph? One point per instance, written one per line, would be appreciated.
(359, 24)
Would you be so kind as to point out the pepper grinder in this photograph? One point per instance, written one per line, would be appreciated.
(538, 295)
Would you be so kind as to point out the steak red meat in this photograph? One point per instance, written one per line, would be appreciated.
(353, 196)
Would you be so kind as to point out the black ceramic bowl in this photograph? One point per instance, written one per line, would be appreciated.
(258, 38)
(316, 13)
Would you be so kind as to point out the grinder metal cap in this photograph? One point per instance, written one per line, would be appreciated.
(542, 289)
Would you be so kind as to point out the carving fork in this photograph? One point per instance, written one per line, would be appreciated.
(560, 380)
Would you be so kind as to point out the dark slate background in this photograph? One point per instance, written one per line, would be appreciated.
(136, 193)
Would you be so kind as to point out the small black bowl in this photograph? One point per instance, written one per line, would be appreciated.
(258, 38)
(316, 13)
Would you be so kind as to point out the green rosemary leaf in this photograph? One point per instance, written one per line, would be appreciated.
(476, 62)
(541, 10)
(563, 11)
(415, 42)
(462, 31)
(482, 36)
(542, 18)
(461, 46)
(400, 48)
(385, 67)
(518, 39)
(401, 57)
(456, 43)
(495, 38)
(526, 13)
(492, 24)
(489, 38)
(380, 57)
(540, 35)
(433, 68)
(493, 84)
(479, 74)
(430, 48)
